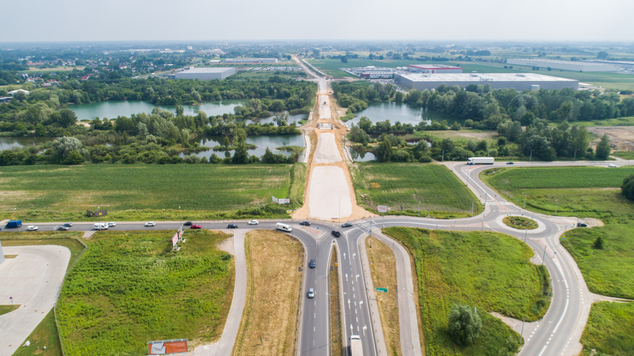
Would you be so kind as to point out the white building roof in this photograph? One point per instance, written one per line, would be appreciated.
(482, 77)
(207, 70)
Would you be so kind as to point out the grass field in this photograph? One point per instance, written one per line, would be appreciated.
(519, 222)
(440, 193)
(298, 184)
(619, 121)
(609, 330)
(383, 268)
(129, 287)
(624, 154)
(269, 321)
(5, 309)
(486, 270)
(334, 306)
(139, 192)
(331, 66)
(45, 334)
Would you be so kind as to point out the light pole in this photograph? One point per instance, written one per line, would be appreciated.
(419, 208)
(524, 200)
(98, 217)
(531, 158)
(575, 157)
(556, 205)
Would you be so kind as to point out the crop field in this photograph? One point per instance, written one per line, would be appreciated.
(609, 330)
(440, 193)
(56, 193)
(485, 270)
(130, 287)
(331, 66)
(558, 177)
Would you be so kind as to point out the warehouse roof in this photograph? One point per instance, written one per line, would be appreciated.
(206, 70)
(482, 77)
(433, 66)
(557, 61)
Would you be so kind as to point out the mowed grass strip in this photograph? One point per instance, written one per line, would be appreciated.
(116, 187)
(383, 268)
(396, 184)
(45, 334)
(69, 240)
(5, 309)
(129, 288)
(270, 316)
(486, 270)
(609, 330)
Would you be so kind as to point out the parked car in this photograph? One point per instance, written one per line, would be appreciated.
(582, 224)
(305, 223)
(346, 224)
(510, 163)
(62, 228)
(311, 264)
(336, 233)
(68, 224)
(112, 224)
(196, 226)
(232, 226)
(311, 293)
(189, 223)
(150, 224)
(31, 228)
(253, 222)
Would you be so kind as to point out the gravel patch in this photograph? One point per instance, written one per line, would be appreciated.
(327, 151)
(329, 195)
(324, 107)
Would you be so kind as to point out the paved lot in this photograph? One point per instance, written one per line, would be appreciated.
(33, 279)
(329, 195)
(327, 151)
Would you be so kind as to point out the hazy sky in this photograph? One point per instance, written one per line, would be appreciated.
(181, 20)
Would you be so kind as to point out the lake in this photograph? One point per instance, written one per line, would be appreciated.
(397, 112)
(261, 143)
(9, 143)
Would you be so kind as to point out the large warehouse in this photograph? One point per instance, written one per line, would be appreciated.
(519, 81)
(204, 73)
(576, 66)
(433, 68)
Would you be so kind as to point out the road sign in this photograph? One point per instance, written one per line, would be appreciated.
(381, 290)
(382, 209)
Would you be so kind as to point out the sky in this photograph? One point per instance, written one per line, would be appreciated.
(245, 20)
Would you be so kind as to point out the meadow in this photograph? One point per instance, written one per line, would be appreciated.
(485, 270)
(130, 288)
(440, 193)
(609, 330)
(138, 192)
(624, 154)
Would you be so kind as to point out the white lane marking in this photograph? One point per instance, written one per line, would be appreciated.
(562, 316)
(544, 349)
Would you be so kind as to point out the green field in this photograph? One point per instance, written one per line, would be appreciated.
(624, 154)
(331, 66)
(45, 334)
(130, 288)
(619, 121)
(486, 270)
(139, 192)
(440, 193)
(609, 330)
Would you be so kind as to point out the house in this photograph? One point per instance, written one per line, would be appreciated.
(13, 92)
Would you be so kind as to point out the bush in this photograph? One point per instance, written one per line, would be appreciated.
(627, 188)
(425, 159)
(464, 324)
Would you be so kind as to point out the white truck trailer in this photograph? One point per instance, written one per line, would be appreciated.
(480, 160)
(356, 348)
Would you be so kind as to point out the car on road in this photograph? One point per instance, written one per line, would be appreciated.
(253, 222)
(582, 224)
(68, 224)
(112, 224)
(232, 226)
(189, 223)
(611, 165)
(346, 224)
(312, 264)
(336, 233)
(150, 224)
(62, 228)
(31, 228)
(196, 226)
(311, 293)
(510, 163)
(305, 223)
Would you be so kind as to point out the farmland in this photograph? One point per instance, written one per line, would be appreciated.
(609, 330)
(137, 192)
(486, 270)
(440, 193)
(128, 284)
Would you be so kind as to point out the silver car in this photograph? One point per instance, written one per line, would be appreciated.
(311, 293)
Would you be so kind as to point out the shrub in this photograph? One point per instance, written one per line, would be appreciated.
(464, 324)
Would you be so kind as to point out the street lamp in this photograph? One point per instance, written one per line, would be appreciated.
(419, 208)
(556, 205)
(524, 200)
(575, 157)
(531, 158)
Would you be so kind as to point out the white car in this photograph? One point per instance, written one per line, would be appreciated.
(253, 222)
(150, 224)
(112, 224)
(613, 165)
(31, 228)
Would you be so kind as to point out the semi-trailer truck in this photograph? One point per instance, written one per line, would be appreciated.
(480, 160)
(356, 348)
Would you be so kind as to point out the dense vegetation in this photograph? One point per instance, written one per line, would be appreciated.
(485, 270)
(609, 330)
(130, 287)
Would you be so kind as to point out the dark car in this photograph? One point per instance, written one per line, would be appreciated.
(346, 224)
(336, 233)
(195, 226)
(582, 224)
(68, 225)
(189, 223)
(232, 226)
(311, 264)
(304, 223)
(510, 163)
(62, 228)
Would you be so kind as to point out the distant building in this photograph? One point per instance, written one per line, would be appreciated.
(371, 72)
(621, 64)
(13, 92)
(251, 60)
(433, 68)
(204, 73)
(577, 66)
(518, 81)
(5, 99)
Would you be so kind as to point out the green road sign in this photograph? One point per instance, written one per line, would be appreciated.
(381, 290)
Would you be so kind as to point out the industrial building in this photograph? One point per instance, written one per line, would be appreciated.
(433, 68)
(251, 60)
(371, 72)
(204, 73)
(621, 64)
(519, 81)
(576, 66)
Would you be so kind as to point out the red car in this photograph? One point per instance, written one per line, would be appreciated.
(194, 226)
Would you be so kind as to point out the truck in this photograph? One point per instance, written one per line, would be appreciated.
(283, 227)
(356, 348)
(480, 160)
(13, 224)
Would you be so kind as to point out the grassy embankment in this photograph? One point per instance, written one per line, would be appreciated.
(5, 309)
(440, 193)
(383, 268)
(486, 270)
(336, 341)
(145, 192)
(130, 287)
(270, 317)
(587, 192)
(609, 330)
(623, 154)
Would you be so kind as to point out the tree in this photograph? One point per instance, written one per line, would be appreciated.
(241, 156)
(344, 59)
(464, 324)
(603, 148)
(67, 117)
(398, 97)
(74, 158)
(598, 243)
(64, 146)
(603, 55)
(383, 151)
(627, 188)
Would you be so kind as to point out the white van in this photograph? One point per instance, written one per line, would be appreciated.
(100, 226)
(283, 227)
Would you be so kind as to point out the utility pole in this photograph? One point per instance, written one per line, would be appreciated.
(575, 157)
(524, 200)
(556, 205)
(482, 221)
(522, 333)
(544, 256)
(472, 203)
(531, 157)
(419, 208)
(526, 233)
(443, 155)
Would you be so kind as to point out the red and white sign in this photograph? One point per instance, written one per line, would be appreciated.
(175, 239)
(167, 347)
(382, 209)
